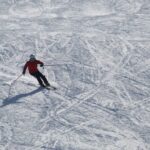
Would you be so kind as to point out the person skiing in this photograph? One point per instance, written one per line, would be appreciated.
(32, 65)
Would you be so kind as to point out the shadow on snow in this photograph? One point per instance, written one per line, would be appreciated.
(15, 99)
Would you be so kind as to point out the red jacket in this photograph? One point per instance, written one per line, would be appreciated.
(32, 66)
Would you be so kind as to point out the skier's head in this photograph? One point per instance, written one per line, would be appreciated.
(32, 57)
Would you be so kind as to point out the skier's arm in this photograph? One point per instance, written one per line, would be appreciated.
(41, 63)
(24, 68)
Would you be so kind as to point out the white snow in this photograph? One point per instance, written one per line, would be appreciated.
(97, 55)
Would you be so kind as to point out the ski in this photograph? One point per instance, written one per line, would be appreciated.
(43, 87)
(50, 88)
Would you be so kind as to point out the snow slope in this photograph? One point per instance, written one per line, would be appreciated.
(97, 54)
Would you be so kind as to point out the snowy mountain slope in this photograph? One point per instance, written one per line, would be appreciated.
(97, 54)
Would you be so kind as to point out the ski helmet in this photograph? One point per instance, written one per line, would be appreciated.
(32, 56)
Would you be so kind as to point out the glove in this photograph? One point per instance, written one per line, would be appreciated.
(41, 65)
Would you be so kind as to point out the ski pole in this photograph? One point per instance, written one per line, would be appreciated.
(55, 65)
(12, 84)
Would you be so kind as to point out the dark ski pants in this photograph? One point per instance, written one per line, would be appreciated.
(41, 78)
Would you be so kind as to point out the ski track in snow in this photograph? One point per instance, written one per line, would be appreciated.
(97, 55)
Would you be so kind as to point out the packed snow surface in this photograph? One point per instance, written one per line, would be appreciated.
(97, 54)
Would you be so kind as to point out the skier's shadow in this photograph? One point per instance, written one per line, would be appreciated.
(15, 99)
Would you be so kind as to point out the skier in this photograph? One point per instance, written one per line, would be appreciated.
(33, 70)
